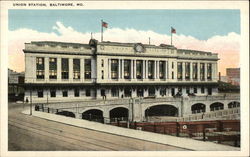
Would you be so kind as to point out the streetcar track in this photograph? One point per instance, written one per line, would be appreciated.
(67, 137)
(82, 135)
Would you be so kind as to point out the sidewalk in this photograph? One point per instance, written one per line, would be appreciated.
(185, 143)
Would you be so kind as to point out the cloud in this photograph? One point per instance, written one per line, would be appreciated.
(226, 46)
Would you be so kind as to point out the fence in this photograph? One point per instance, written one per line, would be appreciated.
(220, 131)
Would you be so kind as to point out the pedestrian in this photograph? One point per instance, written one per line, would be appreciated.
(27, 100)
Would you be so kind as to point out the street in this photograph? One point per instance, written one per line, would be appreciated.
(29, 133)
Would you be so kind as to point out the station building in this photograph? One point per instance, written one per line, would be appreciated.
(66, 72)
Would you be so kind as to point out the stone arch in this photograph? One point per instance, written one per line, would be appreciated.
(162, 110)
(93, 115)
(120, 113)
(216, 106)
(198, 108)
(233, 104)
(66, 113)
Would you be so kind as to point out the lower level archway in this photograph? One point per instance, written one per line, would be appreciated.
(233, 104)
(216, 106)
(66, 113)
(119, 113)
(93, 115)
(198, 108)
(162, 110)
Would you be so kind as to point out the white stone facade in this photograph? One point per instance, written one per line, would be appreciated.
(105, 82)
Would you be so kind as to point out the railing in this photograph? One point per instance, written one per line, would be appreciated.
(232, 113)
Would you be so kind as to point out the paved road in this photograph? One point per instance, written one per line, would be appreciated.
(28, 133)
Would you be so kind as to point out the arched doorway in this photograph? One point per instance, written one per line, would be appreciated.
(162, 110)
(93, 115)
(233, 104)
(198, 108)
(216, 106)
(119, 113)
(66, 113)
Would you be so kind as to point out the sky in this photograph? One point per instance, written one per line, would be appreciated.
(216, 31)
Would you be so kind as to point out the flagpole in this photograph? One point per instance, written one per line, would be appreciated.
(171, 36)
(101, 31)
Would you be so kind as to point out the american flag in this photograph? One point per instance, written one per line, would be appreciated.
(173, 30)
(104, 24)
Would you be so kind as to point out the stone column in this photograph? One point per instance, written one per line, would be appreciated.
(59, 69)
(135, 69)
(191, 71)
(98, 93)
(183, 71)
(157, 92)
(131, 69)
(109, 68)
(82, 69)
(169, 70)
(145, 92)
(155, 70)
(205, 64)
(46, 68)
(143, 69)
(207, 107)
(71, 69)
(166, 70)
(198, 72)
(106, 116)
(119, 69)
(146, 69)
(122, 70)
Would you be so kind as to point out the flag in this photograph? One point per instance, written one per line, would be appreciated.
(173, 30)
(104, 24)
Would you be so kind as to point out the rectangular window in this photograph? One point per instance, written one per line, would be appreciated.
(150, 69)
(187, 90)
(65, 93)
(52, 93)
(202, 71)
(140, 92)
(139, 69)
(40, 94)
(179, 70)
(76, 93)
(114, 92)
(209, 71)
(127, 69)
(52, 68)
(40, 68)
(172, 91)
(163, 91)
(114, 68)
(172, 75)
(195, 71)
(76, 68)
(209, 91)
(195, 90)
(87, 68)
(202, 90)
(87, 92)
(65, 68)
(151, 91)
(127, 92)
(187, 71)
(172, 65)
(162, 69)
